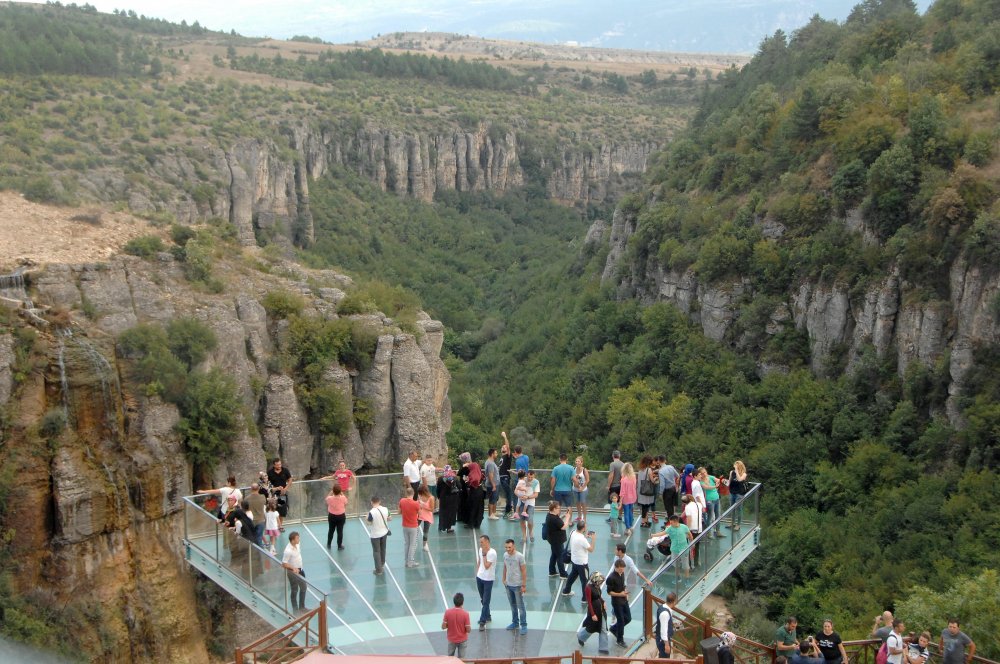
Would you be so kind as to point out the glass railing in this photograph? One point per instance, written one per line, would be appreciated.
(737, 522)
(306, 498)
(245, 569)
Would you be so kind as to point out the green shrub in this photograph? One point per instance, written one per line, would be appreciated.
(152, 364)
(283, 304)
(190, 340)
(979, 148)
(145, 246)
(181, 234)
(210, 417)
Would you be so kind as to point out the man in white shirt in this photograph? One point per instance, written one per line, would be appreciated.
(894, 644)
(378, 531)
(486, 574)
(580, 546)
(428, 475)
(665, 620)
(291, 560)
(692, 519)
(630, 566)
(411, 472)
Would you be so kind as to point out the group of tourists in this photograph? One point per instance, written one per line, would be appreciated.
(897, 645)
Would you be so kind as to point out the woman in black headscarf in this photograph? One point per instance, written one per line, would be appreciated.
(448, 490)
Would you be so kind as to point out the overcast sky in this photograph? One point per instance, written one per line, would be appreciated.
(733, 26)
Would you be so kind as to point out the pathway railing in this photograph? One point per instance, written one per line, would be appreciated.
(289, 643)
(577, 657)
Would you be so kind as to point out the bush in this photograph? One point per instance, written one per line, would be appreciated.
(210, 417)
(979, 148)
(283, 304)
(190, 340)
(145, 246)
(153, 365)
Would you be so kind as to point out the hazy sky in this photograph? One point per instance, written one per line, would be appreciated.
(673, 25)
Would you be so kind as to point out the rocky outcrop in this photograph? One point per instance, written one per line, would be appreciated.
(106, 505)
(890, 317)
(591, 175)
(261, 185)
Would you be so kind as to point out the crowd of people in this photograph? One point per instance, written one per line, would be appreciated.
(691, 504)
(897, 645)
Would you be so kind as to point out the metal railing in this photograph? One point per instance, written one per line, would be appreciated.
(306, 498)
(289, 643)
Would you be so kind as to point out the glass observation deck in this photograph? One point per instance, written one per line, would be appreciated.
(400, 611)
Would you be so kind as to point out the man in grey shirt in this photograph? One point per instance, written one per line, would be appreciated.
(882, 633)
(668, 485)
(615, 474)
(515, 580)
(492, 473)
(953, 644)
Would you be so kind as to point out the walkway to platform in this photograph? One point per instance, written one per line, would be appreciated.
(400, 611)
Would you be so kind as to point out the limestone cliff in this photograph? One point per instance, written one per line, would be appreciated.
(890, 317)
(101, 471)
(261, 185)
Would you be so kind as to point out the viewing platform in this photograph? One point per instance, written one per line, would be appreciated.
(400, 611)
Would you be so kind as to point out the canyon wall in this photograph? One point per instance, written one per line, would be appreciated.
(101, 470)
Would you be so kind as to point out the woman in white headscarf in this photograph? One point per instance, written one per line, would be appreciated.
(726, 642)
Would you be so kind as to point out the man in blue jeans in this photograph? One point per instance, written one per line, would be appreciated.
(486, 573)
(515, 579)
(561, 482)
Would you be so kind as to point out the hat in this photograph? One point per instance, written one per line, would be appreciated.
(727, 639)
(465, 457)
(597, 578)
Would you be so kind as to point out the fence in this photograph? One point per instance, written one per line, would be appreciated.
(281, 647)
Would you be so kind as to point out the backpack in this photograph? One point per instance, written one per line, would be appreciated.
(883, 653)
(660, 610)
(475, 475)
(545, 530)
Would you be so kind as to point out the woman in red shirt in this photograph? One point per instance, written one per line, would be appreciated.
(336, 507)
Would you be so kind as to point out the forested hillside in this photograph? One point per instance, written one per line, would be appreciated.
(842, 156)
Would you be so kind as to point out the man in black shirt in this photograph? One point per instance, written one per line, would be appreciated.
(619, 601)
(281, 481)
(505, 464)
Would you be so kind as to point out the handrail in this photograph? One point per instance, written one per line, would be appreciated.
(281, 637)
(753, 648)
(577, 657)
(706, 531)
(253, 548)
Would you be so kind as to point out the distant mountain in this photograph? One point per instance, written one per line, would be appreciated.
(715, 26)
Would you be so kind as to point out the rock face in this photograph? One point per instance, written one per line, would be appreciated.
(890, 317)
(111, 490)
(261, 185)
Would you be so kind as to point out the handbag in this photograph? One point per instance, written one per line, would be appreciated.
(567, 558)
(646, 486)
(545, 530)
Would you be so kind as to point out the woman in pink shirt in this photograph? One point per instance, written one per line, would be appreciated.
(336, 508)
(629, 496)
(425, 515)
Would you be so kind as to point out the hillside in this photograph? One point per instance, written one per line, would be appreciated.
(806, 281)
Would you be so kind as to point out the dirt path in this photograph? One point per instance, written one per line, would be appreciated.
(48, 234)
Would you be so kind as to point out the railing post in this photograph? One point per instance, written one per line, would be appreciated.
(239, 656)
(577, 657)
(647, 613)
(322, 625)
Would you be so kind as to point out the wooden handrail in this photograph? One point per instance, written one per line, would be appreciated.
(872, 645)
(279, 644)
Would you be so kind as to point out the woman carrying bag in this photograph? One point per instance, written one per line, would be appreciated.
(596, 620)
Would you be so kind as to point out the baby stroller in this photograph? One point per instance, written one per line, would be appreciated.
(659, 542)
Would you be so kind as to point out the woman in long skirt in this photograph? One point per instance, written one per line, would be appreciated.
(448, 490)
